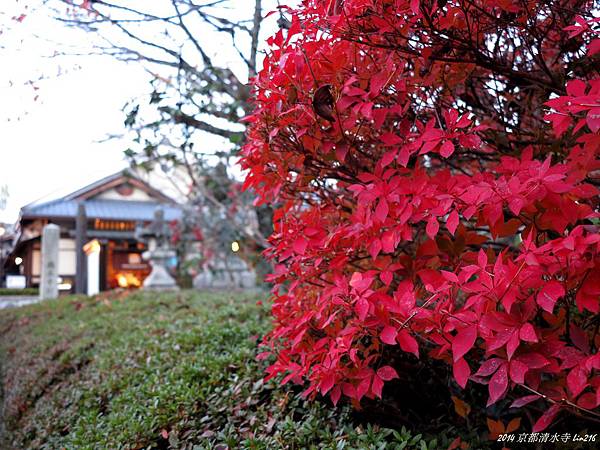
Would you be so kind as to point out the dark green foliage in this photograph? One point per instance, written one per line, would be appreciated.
(158, 371)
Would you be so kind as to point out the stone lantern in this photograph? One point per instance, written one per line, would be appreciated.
(157, 234)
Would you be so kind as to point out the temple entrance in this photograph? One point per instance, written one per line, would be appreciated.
(125, 267)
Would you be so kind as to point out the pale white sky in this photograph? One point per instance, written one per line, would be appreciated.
(50, 145)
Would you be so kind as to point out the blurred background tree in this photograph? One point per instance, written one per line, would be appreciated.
(201, 54)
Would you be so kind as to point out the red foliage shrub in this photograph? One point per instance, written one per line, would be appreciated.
(436, 167)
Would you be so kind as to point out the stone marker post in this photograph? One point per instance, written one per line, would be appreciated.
(49, 282)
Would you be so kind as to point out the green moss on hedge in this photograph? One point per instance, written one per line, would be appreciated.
(159, 371)
(26, 291)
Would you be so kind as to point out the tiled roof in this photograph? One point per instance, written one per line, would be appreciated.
(102, 209)
(95, 184)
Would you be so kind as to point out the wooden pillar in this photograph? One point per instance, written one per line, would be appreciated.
(103, 264)
(80, 238)
(110, 266)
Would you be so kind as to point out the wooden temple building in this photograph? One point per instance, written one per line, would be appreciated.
(105, 213)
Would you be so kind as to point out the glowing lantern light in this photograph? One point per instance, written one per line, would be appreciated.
(127, 280)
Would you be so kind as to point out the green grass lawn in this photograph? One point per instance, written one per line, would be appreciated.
(158, 371)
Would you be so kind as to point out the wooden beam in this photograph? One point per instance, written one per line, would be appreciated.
(80, 240)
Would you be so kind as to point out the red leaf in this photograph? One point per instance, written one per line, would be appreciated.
(447, 149)
(489, 367)
(387, 277)
(327, 383)
(456, 443)
(300, 245)
(515, 205)
(390, 139)
(388, 241)
(482, 259)
(414, 6)
(377, 386)
(450, 276)
(593, 47)
(362, 388)
(362, 308)
(533, 360)
(341, 151)
(349, 390)
(452, 222)
(560, 122)
(549, 295)
(512, 344)
(360, 282)
(461, 371)
(593, 119)
(463, 341)
(577, 380)
(517, 371)
(388, 335)
(527, 333)
(579, 338)
(375, 248)
(263, 355)
(408, 343)
(388, 158)
(498, 385)
(336, 393)
(587, 401)
(520, 402)
(387, 373)
(547, 418)
(432, 227)
(576, 88)
(469, 140)
(381, 212)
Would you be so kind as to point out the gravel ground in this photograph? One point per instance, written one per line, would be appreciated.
(14, 301)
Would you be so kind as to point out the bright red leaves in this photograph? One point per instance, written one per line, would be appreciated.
(388, 335)
(464, 341)
(426, 208)
(408, 343)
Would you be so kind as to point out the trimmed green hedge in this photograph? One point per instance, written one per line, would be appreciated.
(26, 291)
(157, 371)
